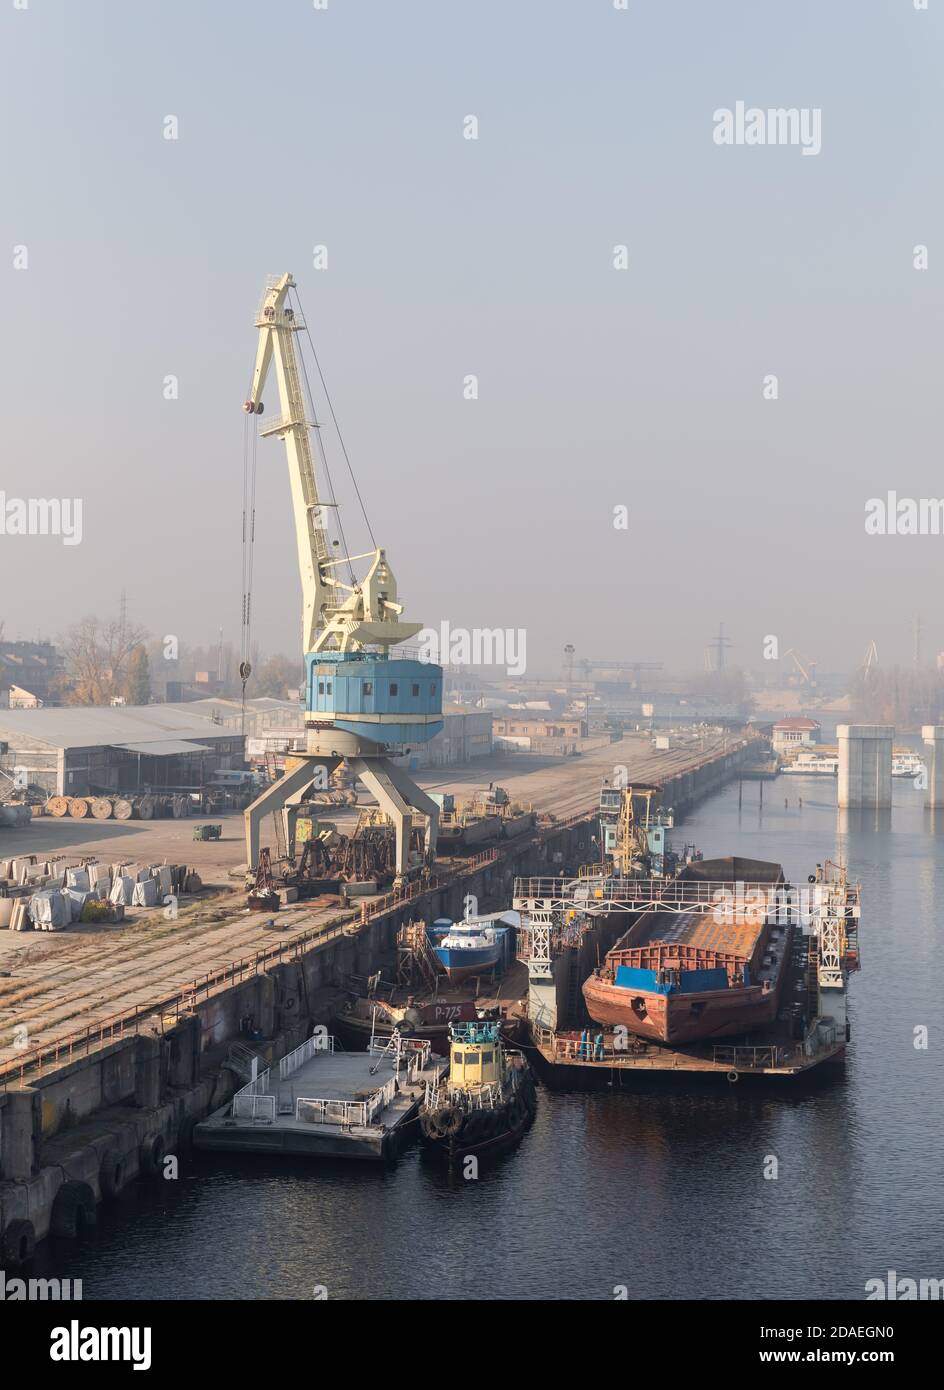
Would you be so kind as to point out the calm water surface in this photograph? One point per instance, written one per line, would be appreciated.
(662, 1192)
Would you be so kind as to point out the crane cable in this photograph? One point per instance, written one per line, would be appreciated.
(250, 442)
(319, 443)
(334, 421)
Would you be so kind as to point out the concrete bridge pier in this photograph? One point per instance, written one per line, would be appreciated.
(865, 765)
(933, 735)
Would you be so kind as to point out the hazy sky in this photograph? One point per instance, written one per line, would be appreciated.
(448, 257)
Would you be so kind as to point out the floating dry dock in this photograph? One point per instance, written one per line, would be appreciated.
(578, 1059)
(319, 1102)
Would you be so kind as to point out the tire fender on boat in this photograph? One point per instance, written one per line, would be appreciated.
(449, 1120)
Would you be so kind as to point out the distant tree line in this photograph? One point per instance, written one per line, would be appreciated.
(906, 699)
(105, 660)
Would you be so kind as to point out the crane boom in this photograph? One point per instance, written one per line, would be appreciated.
(335, 615)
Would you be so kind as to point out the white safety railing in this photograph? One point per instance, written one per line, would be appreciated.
(331, 1112)
(318, 1042)
(482, 1098)
(346, 1112)
(257, 1087)
(257, 1109)
(414, 1053)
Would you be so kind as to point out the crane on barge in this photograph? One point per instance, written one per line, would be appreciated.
(360, 703)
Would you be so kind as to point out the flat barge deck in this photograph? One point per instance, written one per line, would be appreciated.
(322, 1103)
(575, 1060)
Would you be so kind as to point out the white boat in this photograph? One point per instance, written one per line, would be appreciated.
(812, 765)
(907, 765)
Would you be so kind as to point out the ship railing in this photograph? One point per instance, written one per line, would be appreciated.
(258, 1086)
(749, 1058)
(485, 1098)
(415, 1052)
(318, 1042)
(783, 903)
(345, 1113)
(256, 1109)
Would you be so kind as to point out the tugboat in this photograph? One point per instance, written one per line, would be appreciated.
(488, 1101)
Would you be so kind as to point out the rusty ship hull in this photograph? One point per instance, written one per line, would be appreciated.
(679, 978)
(680, 1019)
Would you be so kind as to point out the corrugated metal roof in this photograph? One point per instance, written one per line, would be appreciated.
(97, 727)
(164, 748)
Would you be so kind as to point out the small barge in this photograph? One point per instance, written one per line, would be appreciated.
(319, 1102)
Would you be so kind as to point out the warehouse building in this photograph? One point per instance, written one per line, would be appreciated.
(82, 750)
(466, 735)
(257, 717)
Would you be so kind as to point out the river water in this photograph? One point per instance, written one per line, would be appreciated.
(662, 1193)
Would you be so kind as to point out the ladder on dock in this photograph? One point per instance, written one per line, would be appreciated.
(416, 962)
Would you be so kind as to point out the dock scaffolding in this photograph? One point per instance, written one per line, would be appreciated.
(555, 911)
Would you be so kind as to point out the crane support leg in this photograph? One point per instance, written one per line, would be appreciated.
(375, 774)
(419, 800)
(287, 790)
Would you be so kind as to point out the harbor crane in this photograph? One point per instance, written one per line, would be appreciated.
(806, 667)
(360, 704)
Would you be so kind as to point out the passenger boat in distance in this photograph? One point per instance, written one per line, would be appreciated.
(488, 1100)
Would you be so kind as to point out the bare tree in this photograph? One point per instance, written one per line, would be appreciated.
(96, 659)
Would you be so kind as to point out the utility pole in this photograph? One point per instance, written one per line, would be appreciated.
(719, 645)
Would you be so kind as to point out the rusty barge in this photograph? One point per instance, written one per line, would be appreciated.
(682, 976)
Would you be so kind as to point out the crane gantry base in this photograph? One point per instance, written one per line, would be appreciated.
(397, 795)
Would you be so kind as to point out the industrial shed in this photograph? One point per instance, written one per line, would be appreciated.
(83, 750)
(466, 735)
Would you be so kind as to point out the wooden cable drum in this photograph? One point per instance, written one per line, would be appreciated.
(57, 806)
(78, 807)
(145, 808)
(123, 809)
(101, 808)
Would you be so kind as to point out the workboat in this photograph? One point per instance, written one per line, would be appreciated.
(488, 1100)
(682, 974)
(476, 946)
(908, 765)
(812, 765)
